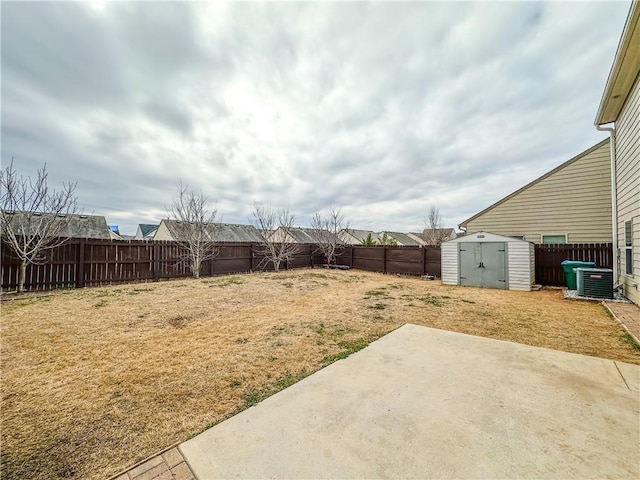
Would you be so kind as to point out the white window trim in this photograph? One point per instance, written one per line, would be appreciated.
(517, 236)
(542, 235)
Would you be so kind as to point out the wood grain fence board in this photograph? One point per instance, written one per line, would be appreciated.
(548, 259)
(85, 262)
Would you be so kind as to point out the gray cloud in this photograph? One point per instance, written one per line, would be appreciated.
(383, 108)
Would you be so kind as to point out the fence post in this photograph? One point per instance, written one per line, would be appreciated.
(80, 279)
(384, 259)
(155, 260)
(424, 260)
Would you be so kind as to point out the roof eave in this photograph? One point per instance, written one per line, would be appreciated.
(624, 71)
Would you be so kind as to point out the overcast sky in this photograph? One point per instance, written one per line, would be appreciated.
(381, 108)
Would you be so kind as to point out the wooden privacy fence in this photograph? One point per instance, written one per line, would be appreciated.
(549, 257)
(86, 263)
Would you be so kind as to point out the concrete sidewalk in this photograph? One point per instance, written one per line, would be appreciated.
(426, 403)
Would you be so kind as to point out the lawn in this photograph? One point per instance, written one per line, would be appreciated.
(94, 380)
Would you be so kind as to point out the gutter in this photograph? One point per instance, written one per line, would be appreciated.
(614, 200)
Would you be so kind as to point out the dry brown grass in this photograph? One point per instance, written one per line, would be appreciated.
(96, 379)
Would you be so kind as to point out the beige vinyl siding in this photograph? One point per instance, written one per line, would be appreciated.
(519, 265)
(575, 200)
(628, 188)
(163, 232)
(449, 263)
(348, 238)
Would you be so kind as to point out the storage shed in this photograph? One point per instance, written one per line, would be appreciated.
(488, 260)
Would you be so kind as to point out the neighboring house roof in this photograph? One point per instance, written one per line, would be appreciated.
(234, 233)
(445, 233)
(221, 232)
(402, 238)
(360, 235)
(310, 235)
(534, 182)
(299, 235)
(625, 69)
(114, 236)
(79, 226)
(147, 229)
(417, 237)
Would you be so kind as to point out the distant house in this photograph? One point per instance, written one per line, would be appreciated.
(301, 235)
(220, 232)
(569, 204)
(79, 226)
(114, 232)
(146, 231)
(434, 236)
(620, 105)
(351, 236)
(417, 236)
(236, 233)
(358, 237)
(400, 239)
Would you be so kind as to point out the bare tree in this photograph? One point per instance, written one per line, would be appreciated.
(34, 219)
(274, 226)
(434, 234)
(192, 225)
(327, 228)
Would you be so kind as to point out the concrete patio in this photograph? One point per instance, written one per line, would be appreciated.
(426, 403)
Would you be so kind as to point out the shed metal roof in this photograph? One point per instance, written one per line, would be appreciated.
(485, 237)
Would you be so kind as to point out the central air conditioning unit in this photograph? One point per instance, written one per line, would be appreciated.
(595, 282)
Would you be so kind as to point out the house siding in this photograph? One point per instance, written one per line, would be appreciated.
(163, 232)
(628, 188)
(575, 200)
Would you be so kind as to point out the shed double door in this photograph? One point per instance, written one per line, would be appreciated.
(483, 264)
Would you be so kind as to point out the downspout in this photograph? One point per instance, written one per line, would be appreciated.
(614, 202)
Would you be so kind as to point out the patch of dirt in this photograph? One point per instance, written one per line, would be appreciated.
(97, 379)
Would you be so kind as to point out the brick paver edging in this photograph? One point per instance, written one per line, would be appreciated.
(633, 331)
(168, 464)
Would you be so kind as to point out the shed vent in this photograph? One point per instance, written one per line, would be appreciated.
(595, 282)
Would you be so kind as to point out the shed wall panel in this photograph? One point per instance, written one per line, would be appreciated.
(449, 263)
(519, 264)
